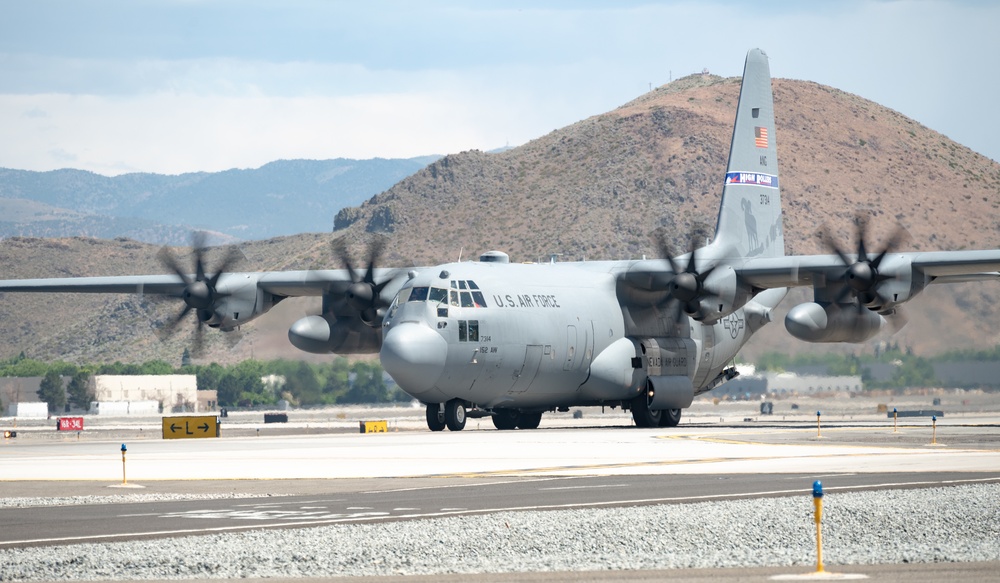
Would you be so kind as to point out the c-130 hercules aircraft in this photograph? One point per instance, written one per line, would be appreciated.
(512, 341)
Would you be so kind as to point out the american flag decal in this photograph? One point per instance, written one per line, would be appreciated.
(760, 137)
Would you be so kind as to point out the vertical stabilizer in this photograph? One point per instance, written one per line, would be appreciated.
(750, 218)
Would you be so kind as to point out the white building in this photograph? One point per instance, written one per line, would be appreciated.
(175, 393)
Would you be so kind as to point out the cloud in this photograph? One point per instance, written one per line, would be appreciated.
(186, 86)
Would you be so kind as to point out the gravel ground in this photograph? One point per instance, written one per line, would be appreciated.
(955, 524)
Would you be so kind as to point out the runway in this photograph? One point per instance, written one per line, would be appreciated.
(561, 451)
(419, 499)
(293, 479)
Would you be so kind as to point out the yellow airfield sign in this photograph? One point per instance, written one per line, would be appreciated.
(190, 427)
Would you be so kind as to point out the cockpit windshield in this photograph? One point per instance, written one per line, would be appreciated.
(469, 297)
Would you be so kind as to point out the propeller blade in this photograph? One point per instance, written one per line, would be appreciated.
(167, 258)
(340, 251)
(862, 221)
(233, 254)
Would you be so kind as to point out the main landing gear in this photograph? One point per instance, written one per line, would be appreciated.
(646, 417)
(450, 415)
(453, 415)
(506, 419)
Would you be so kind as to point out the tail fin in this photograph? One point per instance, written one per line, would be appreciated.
(750, 218)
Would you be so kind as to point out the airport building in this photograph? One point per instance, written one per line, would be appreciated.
(751, 384)
(116, 395)
(169, 393)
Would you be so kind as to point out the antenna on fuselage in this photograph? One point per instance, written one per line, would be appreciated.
(460, 251)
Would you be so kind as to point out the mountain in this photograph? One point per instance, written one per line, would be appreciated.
(596, 189)
(280, 198)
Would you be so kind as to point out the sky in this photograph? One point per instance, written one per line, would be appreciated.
(176, 86)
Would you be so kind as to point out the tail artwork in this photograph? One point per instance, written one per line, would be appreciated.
(750, 218)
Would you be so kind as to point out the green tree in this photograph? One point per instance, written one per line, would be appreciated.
(369, 385)
(156, 367)
(229, 390)
(302, 383)
(80, 394)
(336, 380)
(914, 372)
(51, 391)
(24, 367)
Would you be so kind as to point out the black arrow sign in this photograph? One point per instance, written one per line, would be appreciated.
(173, 428)
(204, 427)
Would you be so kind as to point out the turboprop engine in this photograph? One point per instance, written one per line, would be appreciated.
(813, 322)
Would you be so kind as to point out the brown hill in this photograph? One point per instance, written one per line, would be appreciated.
(596, 190)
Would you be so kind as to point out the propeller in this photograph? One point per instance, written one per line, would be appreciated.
(862, 274)
(687, 287)
(364, 293)
(200, 292)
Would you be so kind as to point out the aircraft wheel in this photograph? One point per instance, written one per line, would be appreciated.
(670, 417)
(454, 415)
(529, 420)
(505, 419)
(435, 418)
(642, 414)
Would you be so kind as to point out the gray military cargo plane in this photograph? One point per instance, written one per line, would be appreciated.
(512, 341)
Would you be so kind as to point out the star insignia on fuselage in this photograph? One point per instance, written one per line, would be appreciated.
(734, 323)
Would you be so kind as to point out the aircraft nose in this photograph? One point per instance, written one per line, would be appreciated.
(414, 355)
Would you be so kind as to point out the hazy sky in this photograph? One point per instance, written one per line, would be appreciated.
(176, 86)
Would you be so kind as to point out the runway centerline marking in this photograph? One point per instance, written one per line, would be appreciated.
(594, 487)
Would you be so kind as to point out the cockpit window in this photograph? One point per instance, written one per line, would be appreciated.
(404, 294)
(478, 298)
(438, 295)
(472, 285)
(419, 294)
(454, 298)
(461, 285)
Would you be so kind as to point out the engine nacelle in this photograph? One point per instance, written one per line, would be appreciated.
(328, 334)
(727, 294)
(241, 300)
(813, 322)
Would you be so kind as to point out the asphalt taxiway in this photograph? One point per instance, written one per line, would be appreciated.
(296, 479)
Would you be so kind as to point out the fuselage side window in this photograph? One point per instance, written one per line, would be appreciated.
(473, 330)
(438, 295)
(463, 331)
(419, 294)
(477, 296)
(467, 300)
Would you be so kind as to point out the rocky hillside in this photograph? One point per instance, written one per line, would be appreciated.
(597, 190)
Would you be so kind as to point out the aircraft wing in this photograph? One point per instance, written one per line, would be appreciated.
(155, 284)
(819, 270)
(279, 283)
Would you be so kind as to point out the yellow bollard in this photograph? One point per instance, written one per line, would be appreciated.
(818, 506)
(124, 449)
(894, 415)
(818, 436)
(934, 430)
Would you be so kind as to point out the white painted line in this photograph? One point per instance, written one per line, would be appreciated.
(594, 487)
